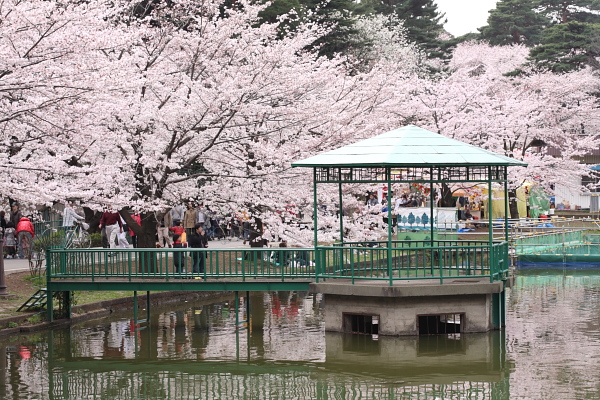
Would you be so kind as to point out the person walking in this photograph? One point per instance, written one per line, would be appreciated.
(15, 214)
(2, 220)
(177, 214)
(122, 236)
(189, 219)
(112, 222)
(198, 240)
(245, 226)
(70, 216)
(178, 257)
(134, 239)
(201, 216)
(165, 223)
(25, 234)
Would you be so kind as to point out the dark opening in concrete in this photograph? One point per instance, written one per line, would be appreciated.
(440, 324)
(364, 324)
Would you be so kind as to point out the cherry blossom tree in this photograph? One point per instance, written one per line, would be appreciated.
(46, 51)
(200, 104)
(540, 118)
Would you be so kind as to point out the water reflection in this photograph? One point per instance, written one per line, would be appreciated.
(278, 351)
(553, 327)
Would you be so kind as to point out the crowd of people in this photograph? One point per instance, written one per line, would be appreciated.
(192, 225)
(176, 224)
(182, 221)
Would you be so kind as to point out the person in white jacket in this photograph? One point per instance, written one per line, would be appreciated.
(70, 216)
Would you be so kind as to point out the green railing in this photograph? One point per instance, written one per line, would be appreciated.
(410, 260)
(406, 260)
(133, 264)
(46, 227)
(553, 241)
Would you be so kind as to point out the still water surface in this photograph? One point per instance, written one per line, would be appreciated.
(550, 350)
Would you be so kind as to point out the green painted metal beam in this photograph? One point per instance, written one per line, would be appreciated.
(193, 285)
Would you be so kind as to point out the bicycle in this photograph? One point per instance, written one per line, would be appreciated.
(78, 237)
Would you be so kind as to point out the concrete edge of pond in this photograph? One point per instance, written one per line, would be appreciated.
(95, 310)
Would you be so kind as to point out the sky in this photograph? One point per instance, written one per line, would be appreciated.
(465, 16)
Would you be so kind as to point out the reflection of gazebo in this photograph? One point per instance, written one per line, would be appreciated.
(426, 158)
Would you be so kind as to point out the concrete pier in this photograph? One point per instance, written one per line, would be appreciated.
(456, 306)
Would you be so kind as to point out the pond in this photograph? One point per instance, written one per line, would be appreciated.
(549, 350)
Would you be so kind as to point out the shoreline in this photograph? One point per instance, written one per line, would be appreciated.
(90, 311)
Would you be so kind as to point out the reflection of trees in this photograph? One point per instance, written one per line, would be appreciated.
(189, 353)
(553, 332)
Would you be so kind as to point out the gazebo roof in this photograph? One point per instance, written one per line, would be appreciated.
(409, 146)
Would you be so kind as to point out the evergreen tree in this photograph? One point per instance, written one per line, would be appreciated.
(567, 47)
(513, 22)
(423, 21)
(425, 25)
(337, 14)
(563, 11)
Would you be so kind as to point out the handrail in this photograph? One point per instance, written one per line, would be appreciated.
(130, 264)
(415, 262)
(446, 260)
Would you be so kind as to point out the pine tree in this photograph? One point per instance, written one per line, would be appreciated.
(567, 47)
(425, 25)
(336, 14)
(563, 11)
(423, 21)
(513, 22)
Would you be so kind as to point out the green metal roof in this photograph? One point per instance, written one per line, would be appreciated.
(409, 146)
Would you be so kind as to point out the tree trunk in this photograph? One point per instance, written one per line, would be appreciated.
(93, 219)
(256, 232)
(512, 204)
(146, 234)
(446, 200)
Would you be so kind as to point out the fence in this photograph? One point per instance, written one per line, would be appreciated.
(130, 264)
(414, 260)
(406, 260)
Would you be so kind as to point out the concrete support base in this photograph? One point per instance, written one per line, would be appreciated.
(397, 308)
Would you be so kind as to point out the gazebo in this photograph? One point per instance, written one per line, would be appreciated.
(413, 155)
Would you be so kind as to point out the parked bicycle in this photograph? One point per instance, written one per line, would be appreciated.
(78, 237)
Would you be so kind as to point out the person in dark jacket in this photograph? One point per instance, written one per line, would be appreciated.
(15, 214)
(198, 240)
(2, 220)
(178, 257)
